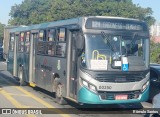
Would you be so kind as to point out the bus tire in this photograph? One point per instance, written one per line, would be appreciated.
(20, 76)
(59, 98)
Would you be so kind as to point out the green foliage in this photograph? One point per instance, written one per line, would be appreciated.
(154, 52)
(1, 32)
(38, 11)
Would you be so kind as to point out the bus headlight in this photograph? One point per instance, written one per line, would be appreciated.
(84, 83)
(89, 86)
(145, 86)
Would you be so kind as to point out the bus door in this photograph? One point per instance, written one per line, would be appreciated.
(32, 53)
(73, 66)
(10, 58)
(15, 54)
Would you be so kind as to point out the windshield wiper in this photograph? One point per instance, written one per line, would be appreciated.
(135, 35)
(105, 37)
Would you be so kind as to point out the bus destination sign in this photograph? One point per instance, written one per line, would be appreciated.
(117, 25)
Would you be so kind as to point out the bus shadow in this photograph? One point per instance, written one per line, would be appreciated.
(107, 108)
(75, 108)
(6, 79)
(45, 92)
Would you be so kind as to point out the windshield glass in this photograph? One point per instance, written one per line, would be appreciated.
(106, 51)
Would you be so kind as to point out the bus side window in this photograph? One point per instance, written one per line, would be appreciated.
(61, 43)
(50, 48)
(61, 34)
(27, 42)
(51, 35)
(42, 44)
(41, 48)
(21, 42)
(11, 46)
(42, 35)
(61, 49)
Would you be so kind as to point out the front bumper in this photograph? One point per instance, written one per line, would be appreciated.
(88, 97)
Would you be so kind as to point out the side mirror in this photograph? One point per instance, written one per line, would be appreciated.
(154, 79)
(80, 42)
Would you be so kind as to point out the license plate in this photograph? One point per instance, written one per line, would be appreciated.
(121, 97)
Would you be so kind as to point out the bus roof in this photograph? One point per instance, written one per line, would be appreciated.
(47, 25)
(111, 17)
(64, 22)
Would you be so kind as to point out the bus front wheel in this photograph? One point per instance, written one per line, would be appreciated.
(59, 98)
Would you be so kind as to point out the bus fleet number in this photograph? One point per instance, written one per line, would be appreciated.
(105, 87)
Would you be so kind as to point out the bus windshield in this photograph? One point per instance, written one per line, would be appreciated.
(101, 50)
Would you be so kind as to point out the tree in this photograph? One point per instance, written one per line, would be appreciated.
(30, 12)
(154, 52)
(38, 11)
(1, 32)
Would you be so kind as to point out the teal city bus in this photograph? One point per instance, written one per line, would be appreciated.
(88, 60)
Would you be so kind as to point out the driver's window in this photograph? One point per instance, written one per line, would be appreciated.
(132, 47)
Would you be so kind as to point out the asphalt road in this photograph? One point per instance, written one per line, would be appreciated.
(36, 102)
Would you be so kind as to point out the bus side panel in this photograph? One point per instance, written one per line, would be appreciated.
(26, 66)
(39, 72)
(19, 60)
(59, 67)
(46, 67)
(10, 62)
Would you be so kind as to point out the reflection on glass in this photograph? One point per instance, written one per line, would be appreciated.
(51, 35)
(111, 48)
(60, 49)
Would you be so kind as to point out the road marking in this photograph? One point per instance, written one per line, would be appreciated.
(14, 102)
(38, 100)
(42, 102)
(18, 95)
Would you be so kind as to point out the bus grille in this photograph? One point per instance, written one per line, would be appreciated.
(111, 95)
(119, 78)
